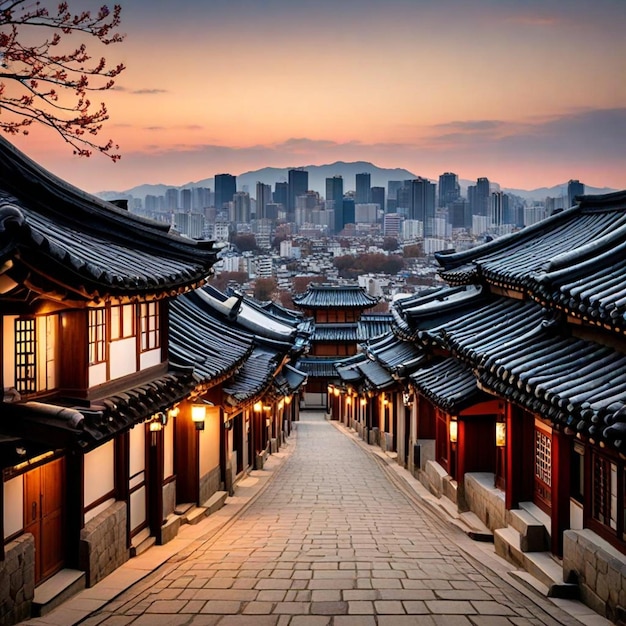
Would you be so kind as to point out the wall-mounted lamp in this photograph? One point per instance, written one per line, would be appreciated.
(500, 434)
(348, 400)
(363, 401)
(258, 407)
(330, 389)
(287, 400)
(173, 412)
(336, 392)
(454, 431)
(198, 415)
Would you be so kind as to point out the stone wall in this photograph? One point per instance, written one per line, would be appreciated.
(103, 543)
(483, 499)
(600, 571)
(169, 498)
(17, 580)
(210, 483)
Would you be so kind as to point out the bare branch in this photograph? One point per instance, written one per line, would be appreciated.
(46, 82)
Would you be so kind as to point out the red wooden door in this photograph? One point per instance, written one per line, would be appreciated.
(44, 496)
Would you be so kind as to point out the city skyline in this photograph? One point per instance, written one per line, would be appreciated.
(522, 92)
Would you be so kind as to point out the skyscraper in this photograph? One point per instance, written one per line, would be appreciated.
(449, 189)
(298, 186)
(574, 188)
(225, 189)
(334, 199)
(263, 198)
(241, 208)
(171, 199)
(478, 196)
(363, 188)
(378, 197)
(422, 203)
(281, 194)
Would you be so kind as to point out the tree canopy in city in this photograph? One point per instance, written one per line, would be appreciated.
(47, 73)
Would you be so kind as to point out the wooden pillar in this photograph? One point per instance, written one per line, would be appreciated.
(514, 451)
(74, 506)
(560, 490)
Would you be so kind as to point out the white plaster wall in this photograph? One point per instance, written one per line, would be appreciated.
(575, 515)
(210, 441)
(13, 505)
(97, 374)
(123, 357)
(99, 472)
(150, 358)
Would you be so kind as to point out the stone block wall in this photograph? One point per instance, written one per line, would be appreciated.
(210, 483)
(103, 543)
(17, 580)
(600, 571)
(169, 498)
(483, 499)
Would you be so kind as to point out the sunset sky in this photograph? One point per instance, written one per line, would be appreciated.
(529, 93)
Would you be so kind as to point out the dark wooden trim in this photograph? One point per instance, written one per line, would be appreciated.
(99, 501)
(2, 514)
(74, 506)
(560, 518)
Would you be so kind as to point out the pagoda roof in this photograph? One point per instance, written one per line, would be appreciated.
(334, 297)
(62, 242)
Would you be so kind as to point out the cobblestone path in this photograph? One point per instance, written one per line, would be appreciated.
(332, 541)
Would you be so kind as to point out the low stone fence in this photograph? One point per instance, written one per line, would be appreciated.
(17, 579)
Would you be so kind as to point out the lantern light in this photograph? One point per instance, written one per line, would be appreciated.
(500, 434)
(336, 392)
(454, 431)
(198, 415)
(287, 400)
(363, 401)
(258, 407)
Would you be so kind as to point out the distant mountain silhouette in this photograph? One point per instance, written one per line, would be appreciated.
(317, 181)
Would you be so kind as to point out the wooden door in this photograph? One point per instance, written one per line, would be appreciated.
(44, 513)
(542, 490)
(137, 483)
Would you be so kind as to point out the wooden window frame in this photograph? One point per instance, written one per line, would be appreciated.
(25, 355)
(117, 331)
(97, 336)
(150, 324)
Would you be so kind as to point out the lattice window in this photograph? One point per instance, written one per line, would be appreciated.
(150, 331)
(25, 356)
(543, 457)
(604, 496)
(122, 321)
(97, 336)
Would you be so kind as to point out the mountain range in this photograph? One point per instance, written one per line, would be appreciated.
(317, 181)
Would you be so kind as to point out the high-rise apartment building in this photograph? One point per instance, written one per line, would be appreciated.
(378, 197)
(363, 188)
(241, 208)
(449, 189)
(422, 203)
(185, 200)
(334, 200)
(478, 196)
(298, 186)
(263, 198)
(225, 189)
(499, 213)
(281, 194)
(171, 199)
(574, 188)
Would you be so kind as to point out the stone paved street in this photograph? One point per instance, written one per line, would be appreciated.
(332, 541)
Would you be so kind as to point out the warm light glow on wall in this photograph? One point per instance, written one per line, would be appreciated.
(336, 392)
(454, 431)
(287, 400)
(500, 434)
(348, 400)
(363, 401)
(258, 407)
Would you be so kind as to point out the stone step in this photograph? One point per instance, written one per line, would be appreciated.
(215, 502)
(540, 565)
(476, 529)
(141, 542)
(57, 590)
(533, 535)
(195, 515)
(182, 509)
(170, 529)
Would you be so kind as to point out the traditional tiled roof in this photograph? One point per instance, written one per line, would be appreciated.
(334, 297)
(364, 371)
(573, 261)
(198, 340)
(348, 369)
(448, 384)
(73, 246)
(289, 380)
(84, 428)
(254, 378)
(578, 384)
(398, 356)
(346, 333)
(372, 325)
(318, 367)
